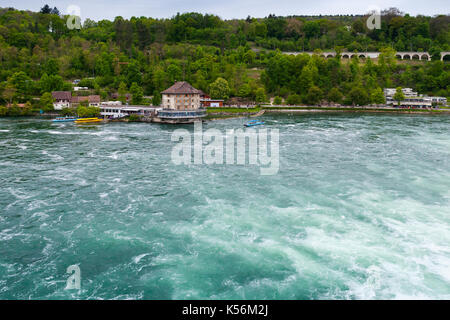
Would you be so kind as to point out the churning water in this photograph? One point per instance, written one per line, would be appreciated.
(360, 209)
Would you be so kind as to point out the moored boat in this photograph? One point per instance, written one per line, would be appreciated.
(253, 123)
(88, 120)
(65, 119)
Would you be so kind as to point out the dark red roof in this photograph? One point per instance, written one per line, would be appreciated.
(90, 99)
(180, 88)
(62, 95)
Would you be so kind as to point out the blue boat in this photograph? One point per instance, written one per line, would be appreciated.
(253, 123)
(65, 119)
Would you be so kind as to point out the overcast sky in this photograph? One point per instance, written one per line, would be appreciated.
(228, 9)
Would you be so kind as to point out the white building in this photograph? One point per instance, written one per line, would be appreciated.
(439, 100)
(112, 103)
(112, 110)
(63, 99)
(408, 92)
(412, 99)
(80, 88)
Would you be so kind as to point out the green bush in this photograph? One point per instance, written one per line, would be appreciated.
(86, 112)
(277, 100)
(294, 99)
(68, 112)
(14, 111)
(134, 118)
(3, 111)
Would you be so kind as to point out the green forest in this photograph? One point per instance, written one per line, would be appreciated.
(239, 59)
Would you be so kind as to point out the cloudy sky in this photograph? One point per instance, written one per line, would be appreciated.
(228, 9)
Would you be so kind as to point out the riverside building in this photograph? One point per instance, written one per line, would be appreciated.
(413, 99)
(181, 104)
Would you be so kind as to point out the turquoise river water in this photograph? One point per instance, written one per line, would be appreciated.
(360, 209)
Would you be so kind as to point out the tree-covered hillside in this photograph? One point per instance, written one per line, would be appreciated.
(39, 54)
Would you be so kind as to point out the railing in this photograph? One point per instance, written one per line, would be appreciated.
(180, 114)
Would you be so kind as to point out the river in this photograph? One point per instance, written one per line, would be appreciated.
(359, 209)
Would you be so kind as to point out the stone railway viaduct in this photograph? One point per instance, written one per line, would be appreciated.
(400, 55)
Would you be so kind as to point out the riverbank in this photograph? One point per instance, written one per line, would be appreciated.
(231, 113)
(227, 113)
(319, 109)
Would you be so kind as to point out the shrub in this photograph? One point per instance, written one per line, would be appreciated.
(86, 112)
(134, 118)
(277, 100)
(294, 99)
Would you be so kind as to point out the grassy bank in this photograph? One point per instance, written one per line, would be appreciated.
(232, 110)
(350, 109)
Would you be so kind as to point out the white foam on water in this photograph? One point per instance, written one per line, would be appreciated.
(21, 195)
(111, 138)
(138, 258)
(59, 132)
(53, 156)
(114, 155)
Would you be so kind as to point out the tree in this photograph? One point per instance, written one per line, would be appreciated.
(399, 96)
(313, 96)
(387, 58)
(137, 94)
(51, 67)
(55, 11)
(277, 101)
(3, 111)
(435, 53)
(27, 109)
(14, 111)
(9, 92)
(260, 95)
(68, 112)
(47, 101)
(21, 82)
(174, 72)
(308, 76)
(358, 96)
(86, 112)
(245, 90)
(46, 9)
(335, 95)
(51, 83)
(133, 74)
(358, 26)
(377, 96)
(156, 101)
(294, 99)
(122, 92)
(249, 57)
(219, 89)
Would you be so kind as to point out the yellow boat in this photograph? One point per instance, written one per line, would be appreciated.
(88, 120)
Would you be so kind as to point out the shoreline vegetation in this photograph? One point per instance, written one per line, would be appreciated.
(284, 109)
(222, 113)
(242, 62)
(231, 113)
